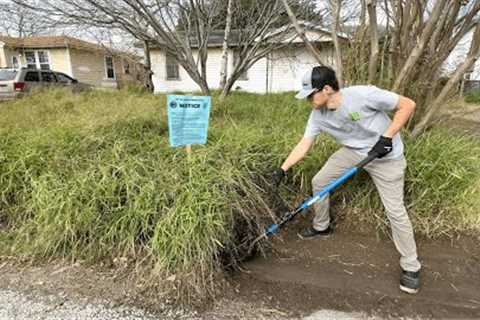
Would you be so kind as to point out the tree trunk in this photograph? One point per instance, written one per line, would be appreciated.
(226, 89)
(148, 68)
(454, 79)
(202, 82)
(372, 64)
(224, 61)
(417, 51)
(336, 6)
(301, 33)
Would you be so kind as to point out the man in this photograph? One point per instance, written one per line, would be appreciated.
(357, 118)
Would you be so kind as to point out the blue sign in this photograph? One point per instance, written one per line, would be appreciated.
(188, 119)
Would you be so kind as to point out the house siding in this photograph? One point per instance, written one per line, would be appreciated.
(255, 82)
(136, 75)
(287, 67)
(160, 82)
(59, 60)
(281, 71)
(3, 62)
(7, 57)
(89, 67)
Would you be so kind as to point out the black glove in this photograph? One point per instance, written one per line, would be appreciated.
(383, 147)
(277, 176)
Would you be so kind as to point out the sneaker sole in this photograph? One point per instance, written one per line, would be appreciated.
(408, 290)
(317, 236)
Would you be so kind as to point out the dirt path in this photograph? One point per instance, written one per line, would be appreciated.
(63, 291)
(355, 272)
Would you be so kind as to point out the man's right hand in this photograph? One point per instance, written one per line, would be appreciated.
(277, 176)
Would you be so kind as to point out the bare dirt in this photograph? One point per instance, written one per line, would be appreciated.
(352, 271)
(357, 271)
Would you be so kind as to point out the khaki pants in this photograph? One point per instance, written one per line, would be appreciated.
(388, 176)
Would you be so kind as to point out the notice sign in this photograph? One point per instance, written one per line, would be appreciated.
(188, 119)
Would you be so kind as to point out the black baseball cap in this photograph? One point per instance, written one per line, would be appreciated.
(315, 79)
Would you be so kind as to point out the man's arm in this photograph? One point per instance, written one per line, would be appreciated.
(404, 111)
(298, 153)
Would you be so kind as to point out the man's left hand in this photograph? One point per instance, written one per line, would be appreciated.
(383, 147)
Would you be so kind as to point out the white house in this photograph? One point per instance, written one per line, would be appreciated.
(280, 71)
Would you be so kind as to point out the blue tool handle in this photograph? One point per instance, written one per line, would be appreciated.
(273, 228)
(335, 183)
(367, 160)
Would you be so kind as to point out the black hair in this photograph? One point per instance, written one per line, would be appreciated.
(322, 76)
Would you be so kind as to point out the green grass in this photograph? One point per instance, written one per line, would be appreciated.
(473, 97)
(92, 176)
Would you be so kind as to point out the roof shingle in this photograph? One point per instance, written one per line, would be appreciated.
(50, 42)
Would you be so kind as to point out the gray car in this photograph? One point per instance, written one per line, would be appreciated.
(17, 82)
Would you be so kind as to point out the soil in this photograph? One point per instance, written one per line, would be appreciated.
(352, 271)
(358, 271)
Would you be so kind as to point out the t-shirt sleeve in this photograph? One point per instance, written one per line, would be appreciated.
(313, 127)
(382, 100)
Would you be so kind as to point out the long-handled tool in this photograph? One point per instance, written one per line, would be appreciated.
(273, 228)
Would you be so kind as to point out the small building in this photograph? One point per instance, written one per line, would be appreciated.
(87, 62)
(280, 71)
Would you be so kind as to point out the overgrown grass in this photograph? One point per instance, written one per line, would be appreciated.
(92, 176)
(473, 97)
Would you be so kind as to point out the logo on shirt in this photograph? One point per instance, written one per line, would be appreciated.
(355, 116)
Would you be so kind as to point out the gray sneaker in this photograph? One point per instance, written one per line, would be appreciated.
(311, 232)
(410, 281)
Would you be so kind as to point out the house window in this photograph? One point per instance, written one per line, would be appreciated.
(109, 67)
(15, 64)
(43, 60)
(126, 67)
(37, 60)
(31, 60)
(243, 76)
(172, 68)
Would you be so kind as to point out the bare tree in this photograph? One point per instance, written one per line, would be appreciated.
(454, 79)
(417, 51)
(301, 33)
(181, 28)
(417, 39)
(374, 51)
(224, 61)
(423, 38)
(262, 29)
(148, 67)
(19, 21)
(336, 6)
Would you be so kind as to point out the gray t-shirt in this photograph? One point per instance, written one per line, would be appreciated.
(359, 121)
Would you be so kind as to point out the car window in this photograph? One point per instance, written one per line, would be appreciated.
(63, 78)
(32, 76)
(48, 77)
(6, 75)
